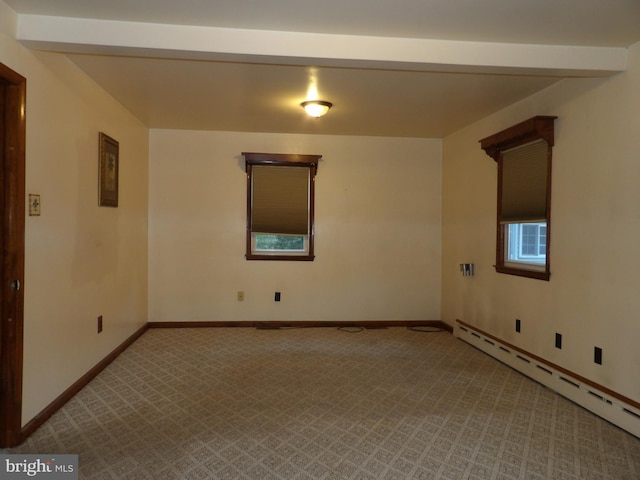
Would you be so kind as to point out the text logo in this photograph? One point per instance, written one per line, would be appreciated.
(49, 467)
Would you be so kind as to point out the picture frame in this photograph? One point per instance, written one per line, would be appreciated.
(108, 171)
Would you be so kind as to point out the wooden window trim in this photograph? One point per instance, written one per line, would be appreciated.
(524, 132)
(284, 160)
(535, 128)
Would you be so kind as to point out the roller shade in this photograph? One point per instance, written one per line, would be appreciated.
(280, 200)
(524, 183)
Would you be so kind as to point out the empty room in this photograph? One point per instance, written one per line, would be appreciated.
(320, 240)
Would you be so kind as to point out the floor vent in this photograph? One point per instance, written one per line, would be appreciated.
(617, 409)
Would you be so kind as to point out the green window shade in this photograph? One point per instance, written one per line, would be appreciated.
(524, 183)
(280, 198)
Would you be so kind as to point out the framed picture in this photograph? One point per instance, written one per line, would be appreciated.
(108, 181)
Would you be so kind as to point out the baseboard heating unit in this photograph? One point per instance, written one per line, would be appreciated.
(613, 407)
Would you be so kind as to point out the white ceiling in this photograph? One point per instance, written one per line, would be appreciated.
(419, 68)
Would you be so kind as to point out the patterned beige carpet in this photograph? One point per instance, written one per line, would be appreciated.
(324, 403)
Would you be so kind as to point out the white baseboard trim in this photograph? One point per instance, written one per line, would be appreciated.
(601, 401)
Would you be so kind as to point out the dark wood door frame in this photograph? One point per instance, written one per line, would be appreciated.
(12, 207)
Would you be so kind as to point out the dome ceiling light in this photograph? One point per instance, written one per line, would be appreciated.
(316, 108)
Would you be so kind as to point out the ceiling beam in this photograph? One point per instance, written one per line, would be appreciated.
(109, 37)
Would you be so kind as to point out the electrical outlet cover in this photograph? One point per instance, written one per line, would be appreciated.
(597, 355)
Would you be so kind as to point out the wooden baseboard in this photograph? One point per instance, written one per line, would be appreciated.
(306, 324)
(54, 406)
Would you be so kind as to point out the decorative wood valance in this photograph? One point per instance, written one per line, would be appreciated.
(282, 159)
(524, 132)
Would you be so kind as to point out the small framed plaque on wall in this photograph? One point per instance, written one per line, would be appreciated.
(108, 175)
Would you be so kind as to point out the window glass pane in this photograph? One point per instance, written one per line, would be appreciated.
(526, 243)
(529, 240)
(542, 245)
(287, 243)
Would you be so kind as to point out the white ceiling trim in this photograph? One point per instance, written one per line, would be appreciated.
(80, 35)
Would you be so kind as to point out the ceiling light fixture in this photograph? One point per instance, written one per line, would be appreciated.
(316, 108)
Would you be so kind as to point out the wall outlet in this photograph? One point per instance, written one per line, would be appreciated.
(241, 296)
(518, 325)
(558, 340)
(100, 324)
(276, 298)
(597, 355)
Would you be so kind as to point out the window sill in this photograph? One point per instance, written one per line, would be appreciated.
(295, 258)
(522, 272)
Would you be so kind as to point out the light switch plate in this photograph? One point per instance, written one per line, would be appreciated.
(34, 205)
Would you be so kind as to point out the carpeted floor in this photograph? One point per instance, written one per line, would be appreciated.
(324, 403)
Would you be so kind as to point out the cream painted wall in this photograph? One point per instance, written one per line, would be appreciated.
(592, 296)
(81, 260)
(377, 231)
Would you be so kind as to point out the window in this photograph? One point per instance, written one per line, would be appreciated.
(527, 243)
(280, 206)
(523, 153)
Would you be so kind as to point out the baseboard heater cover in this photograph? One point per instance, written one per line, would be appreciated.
(622, 412)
